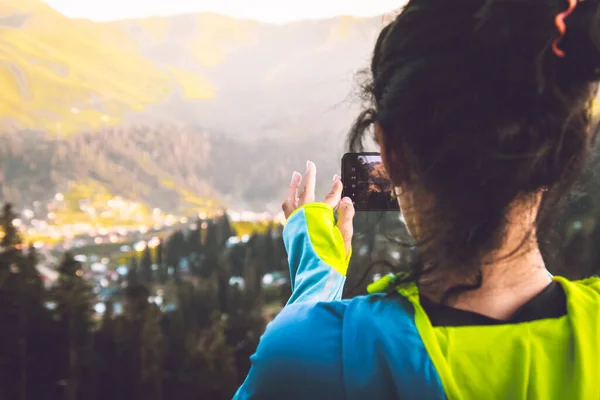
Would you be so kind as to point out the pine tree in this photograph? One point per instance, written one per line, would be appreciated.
(205, 369)
(237, 259)
(163, 272)
(214, 360)
(194, 240)
(108, 317)
(69, 267)
(152, 353)
(175, 250)
(74, 298)
(215, 265)
(32, 289)
(242, 333)
(269, 262)
(195, 249)
(254, 273)
(20, 305)
(141, 346)
(201, 234)
(225, 229)
(158, 255)
(132, 272)
(11, 237)
(32, 256)
(105, 351)
(10, 247)
(146, 267)
(212, 250)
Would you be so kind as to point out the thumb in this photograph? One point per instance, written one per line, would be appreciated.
(344, 224)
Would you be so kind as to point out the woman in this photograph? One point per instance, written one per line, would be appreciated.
(481, 109)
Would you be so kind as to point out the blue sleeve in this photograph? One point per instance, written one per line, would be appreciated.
(300, 355)
(316, 254)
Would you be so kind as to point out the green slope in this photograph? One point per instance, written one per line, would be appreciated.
(63, 76)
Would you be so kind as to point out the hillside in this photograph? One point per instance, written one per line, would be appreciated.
(62, 76)
(240, 77)
(165, 166)
(172, 110)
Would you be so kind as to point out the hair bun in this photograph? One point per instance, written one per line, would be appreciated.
(581, 43)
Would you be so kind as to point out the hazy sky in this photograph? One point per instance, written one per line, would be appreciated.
(263, 10)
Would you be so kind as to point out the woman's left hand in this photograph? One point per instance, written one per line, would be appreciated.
(334, 199)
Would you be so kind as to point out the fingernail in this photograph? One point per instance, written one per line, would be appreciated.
(347, 200)
(308, 165)
(336, 177)
(295, 176)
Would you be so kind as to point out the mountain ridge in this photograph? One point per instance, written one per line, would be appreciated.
(217, 83)
(197, 60)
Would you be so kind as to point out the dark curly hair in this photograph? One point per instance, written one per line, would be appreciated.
(488, 113)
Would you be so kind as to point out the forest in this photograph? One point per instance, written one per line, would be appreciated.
(53, 345)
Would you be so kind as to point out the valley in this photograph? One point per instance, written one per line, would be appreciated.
(185, 113)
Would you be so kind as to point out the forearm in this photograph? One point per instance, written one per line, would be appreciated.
(316, 253)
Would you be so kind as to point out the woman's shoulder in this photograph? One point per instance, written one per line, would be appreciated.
(300, 320)
(332, 315)
(298, 355)
(317, 332)
(331, 347)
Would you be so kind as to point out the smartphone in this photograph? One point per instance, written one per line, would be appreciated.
(366, 182)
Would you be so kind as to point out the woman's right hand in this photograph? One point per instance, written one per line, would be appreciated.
(334, 199)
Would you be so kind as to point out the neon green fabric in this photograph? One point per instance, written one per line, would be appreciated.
(324, 235)
(545, 359)
(316, 255)
(380, 285)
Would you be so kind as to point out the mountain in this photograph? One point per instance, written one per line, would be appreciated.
(62, 76)
(293, 79)
(169, 110)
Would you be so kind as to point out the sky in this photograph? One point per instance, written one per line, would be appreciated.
(263, 10)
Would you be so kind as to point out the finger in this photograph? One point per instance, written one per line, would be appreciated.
(345, 217)
(335, 195)
(308, 192)
(291, 200)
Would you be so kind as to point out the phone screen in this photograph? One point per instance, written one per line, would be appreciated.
(367, 183)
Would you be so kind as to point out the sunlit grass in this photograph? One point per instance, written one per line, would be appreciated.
(88, 203)
(193, 86)
(65, 76)
(193, 204)
(243, 228)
